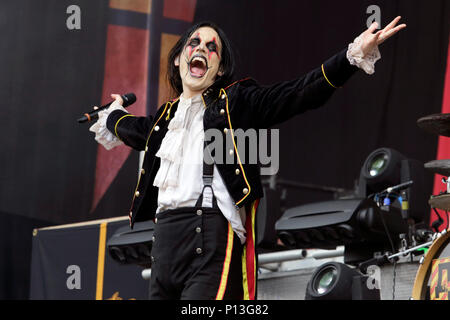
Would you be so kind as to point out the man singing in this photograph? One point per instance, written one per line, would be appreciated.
(204, 211)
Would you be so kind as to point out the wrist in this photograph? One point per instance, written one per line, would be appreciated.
(362, 56)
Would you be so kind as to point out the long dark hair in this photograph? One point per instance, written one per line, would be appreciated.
(227, 62)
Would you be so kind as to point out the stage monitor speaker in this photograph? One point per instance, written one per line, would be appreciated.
(132, 246)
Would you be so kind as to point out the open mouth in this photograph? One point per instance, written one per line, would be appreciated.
(198, 66)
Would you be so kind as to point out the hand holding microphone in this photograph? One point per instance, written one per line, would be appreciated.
(126, 100)
(119, 98)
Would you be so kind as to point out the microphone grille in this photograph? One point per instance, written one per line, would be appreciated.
(128, 99)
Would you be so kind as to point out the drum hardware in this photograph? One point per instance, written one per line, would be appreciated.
(438, 253)
(437, 223)
(381, 260)
(422, 259)
(408, 243)
(427, 284)
(411, 250)
(423, 235)
(446, 182)
(436, 123)
(441, 167)
(441, 201)
(403, 242)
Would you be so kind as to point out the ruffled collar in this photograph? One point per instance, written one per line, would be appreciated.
(190, 100)
(171, 151)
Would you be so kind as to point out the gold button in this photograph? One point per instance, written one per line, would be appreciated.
(137, 194)
(245, 191)
(199, 250)
(237, 171)
(231, 152)
(222, 111)
(198, 229)
(223, 96)
(225, 130)
(157, 128)
(142, 171)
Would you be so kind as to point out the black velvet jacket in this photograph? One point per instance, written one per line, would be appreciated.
(243, 104)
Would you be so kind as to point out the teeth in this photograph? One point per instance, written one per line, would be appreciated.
(199, 59)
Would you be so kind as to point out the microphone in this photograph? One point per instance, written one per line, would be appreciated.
(405, 205)
(128, 100)
(400, 186)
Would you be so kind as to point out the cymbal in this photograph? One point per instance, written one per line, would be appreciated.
(436, 123)
(439, 166)
(441, 201)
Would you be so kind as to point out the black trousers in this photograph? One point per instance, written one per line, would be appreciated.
(196, 256)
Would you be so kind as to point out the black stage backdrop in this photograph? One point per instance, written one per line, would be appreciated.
(51, 75)
(279, 40)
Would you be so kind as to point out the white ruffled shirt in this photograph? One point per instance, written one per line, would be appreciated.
(179, 177)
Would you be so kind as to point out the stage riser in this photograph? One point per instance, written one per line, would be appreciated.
(292, 285)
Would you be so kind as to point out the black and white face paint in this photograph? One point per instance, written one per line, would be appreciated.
(200, 60)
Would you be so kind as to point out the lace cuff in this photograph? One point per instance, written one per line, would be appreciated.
(102, 134)
(356, 56)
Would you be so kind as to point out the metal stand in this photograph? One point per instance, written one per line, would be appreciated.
(379, 261)
(407, 240)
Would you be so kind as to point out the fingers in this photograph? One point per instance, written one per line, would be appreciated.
(378, 35)
(387, 31)
(387, 34)
(117, 97)
(400, 27)
(392, 24)
(373, 27)
(390, 30)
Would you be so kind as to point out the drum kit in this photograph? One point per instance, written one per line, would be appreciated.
(432, 280)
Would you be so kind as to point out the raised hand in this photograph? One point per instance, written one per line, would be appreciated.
(370, 39)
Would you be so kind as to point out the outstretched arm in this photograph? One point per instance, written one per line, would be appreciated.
(280, 102)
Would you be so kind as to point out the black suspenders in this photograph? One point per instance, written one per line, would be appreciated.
(208, 173)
